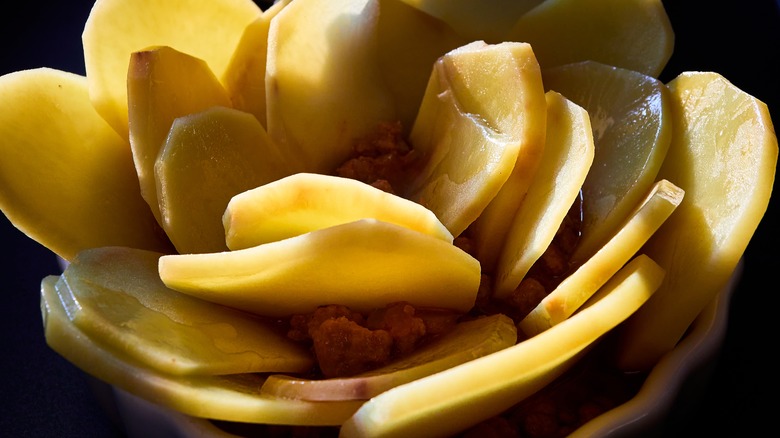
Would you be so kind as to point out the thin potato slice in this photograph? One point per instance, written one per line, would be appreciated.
(566, 160)
(467, 341)
(66, 178)
(452, 400)
(724, 155)
(363, 265)
(231, 398)
(576, 288)
(115, 28)
(306, 202)
(114, 295)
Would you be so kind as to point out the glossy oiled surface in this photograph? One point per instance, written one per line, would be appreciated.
(44, 394)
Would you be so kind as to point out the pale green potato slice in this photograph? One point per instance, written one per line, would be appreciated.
(66, 178)
(566, 160)
(632, 127)
(163, 84)
(244, 77)
(207, 158)
(724, 155)
(410, 41)
(467, 341)
(116, 28)
(487, 20)
(363, 265)
(470, 130)
(306, 202)
(324, 84)
(455, 399)
(232, 398)
(115, 296)
(631, 34)
(576, 288)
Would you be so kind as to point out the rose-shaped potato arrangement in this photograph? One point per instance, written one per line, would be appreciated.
(192, 181)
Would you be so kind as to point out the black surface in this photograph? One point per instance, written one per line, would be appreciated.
(45, 396)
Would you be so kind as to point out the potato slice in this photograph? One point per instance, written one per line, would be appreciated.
(307, 202)
(116, 28)
(576, 288)
(231, 398)
(565, 163)
(244, 77)
(467, 341)
(487, 20)
(66, 178)
(452, 400)
(324, 84)
(631, 34)
(114, 295)
(724, 155)
(630, 116)
(163, 84)
(364, 265)
(471, 128)
(209, 157)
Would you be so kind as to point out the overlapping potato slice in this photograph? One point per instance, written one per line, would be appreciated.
(363, 265)
(578, 286)
(114, 295)
(487, 20)
(163, 84)
(324, 85)
(207, 158)
(472, 126)
(232, 397)
(115, 28)
(467, 341)
(566, 160)
(452, 400)
(632, 34)
(306, 202)
(244, 76)
(630, 117)
(724, 155)
(66, 178)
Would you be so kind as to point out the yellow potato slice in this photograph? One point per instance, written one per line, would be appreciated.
(364, 265)
(565, 163)
(116, 28)
(160, 87)
(487, 20)
(467, 341)
(452, 400)
(244, 77)
(232, 398)
(576, 288)
(114, 295)
(306, 202)
(324, 83)
(632, 34)
(66, 178)
(724, 155)
(630, 116)
(209, 157)
(471, 128)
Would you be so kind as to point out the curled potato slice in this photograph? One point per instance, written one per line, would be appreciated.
(66, 178)
(467, 341)
(115, 28)
(115, 296)
(363, 265)
(306, 202)
(452, 400)
(232, 397)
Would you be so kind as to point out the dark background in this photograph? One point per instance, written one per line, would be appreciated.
(43, 395)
